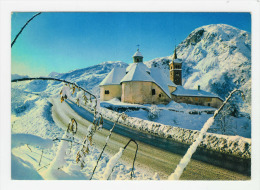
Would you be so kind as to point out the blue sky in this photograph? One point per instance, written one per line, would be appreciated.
(62, 42)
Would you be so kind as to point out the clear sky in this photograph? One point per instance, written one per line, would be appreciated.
(62, 41)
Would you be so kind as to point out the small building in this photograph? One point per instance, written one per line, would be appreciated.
(196, 97)
(138, 84)
(110, 87)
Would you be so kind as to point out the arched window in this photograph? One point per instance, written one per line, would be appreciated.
(153, 91)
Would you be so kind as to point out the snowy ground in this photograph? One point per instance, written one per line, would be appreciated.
(33, 131)
(182, 115)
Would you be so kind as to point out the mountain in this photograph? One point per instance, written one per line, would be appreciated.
(217, 57)
(90, 77)
(16, 76)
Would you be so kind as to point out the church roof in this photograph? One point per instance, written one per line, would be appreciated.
(177, 61)
(137, 53)
(162, 80)
(138, 72)
(180, 91)
(114, 77)
(141, 65)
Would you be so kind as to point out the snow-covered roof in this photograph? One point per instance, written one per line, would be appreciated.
(137, 53)
(162, 80)
(114, 77)
(176, 61)
(141, 65)
(180, 91)
(138, 72)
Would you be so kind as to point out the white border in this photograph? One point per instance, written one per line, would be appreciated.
(6, 7)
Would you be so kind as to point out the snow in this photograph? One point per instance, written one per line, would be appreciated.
(16, 76)
(217, 57)
(137, 73)
(114, 77)
(59, 161)
(177, 123)
(162, 80)
(111, 164)
(186, 158)
(23, 170)
(33, 131)
(22, 139)
(177, 61)
(181, 91)
(138, 53)
(65, 91)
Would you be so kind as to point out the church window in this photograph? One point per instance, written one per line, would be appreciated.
(153, 91)
(160, 95)
(106, 91)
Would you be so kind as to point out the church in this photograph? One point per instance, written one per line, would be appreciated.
(138, 84)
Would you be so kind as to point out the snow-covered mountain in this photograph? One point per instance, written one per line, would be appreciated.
(16, 76)
(90, 77)
(217, 57)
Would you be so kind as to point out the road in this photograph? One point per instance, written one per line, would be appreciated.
(155, 154)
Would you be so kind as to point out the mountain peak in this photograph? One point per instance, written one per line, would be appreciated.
(215, 32)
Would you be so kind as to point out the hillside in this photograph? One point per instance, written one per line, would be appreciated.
(216, 57)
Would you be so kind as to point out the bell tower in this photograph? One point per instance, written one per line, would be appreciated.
(176, 69)
(138, 57)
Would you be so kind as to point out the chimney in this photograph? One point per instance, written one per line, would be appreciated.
(198, 87)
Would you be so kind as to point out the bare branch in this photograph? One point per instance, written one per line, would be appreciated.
(23, 28)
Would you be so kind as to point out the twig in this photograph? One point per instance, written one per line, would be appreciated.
(132, 172)
(23, 28)
(29, 147)
(131, 140)
(43, 166)
(41, 158)
(108, 137)
(57, 139)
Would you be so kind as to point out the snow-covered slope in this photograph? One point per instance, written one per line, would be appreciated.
(90, 77)
(217, 57)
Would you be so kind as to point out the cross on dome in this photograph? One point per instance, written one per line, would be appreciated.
(138, 47)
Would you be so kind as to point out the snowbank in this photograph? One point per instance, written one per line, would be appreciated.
(22, 139)
(233, 145)
(23, 170)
